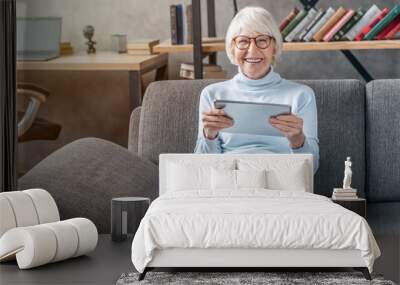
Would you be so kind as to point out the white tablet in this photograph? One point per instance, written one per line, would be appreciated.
(252, 117)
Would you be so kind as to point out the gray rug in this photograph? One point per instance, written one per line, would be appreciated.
(269, 278)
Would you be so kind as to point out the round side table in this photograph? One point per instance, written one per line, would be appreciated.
(126, 214)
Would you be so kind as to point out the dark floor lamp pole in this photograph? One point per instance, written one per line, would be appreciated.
(8, 119)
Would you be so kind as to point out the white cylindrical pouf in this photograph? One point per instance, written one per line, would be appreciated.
(33, 246)
(7, 218)
(45, 205)
(23, 208)
(67, 239)
(40, 244)
(87, 233)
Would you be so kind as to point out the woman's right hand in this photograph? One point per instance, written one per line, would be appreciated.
(214, 121)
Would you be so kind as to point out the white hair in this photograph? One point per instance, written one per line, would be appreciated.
(253, 19)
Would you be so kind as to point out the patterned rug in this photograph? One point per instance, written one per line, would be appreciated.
(243, 278)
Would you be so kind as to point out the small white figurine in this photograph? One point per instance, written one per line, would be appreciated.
(347, 174)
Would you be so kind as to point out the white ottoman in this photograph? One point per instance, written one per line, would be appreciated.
(31, 231)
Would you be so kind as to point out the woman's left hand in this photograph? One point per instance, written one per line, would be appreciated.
(291, 127)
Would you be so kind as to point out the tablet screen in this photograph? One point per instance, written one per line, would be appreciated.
(252, 117)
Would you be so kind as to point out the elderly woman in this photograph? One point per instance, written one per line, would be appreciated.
(254, 43)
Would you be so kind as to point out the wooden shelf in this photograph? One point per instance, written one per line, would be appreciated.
(312, 46)
(167, 47)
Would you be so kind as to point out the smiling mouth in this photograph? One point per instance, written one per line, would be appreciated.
(253, 60)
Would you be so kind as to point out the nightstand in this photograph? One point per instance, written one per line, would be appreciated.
(126, 214)
(358, 206)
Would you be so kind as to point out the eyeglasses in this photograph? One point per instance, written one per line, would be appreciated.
(243, 42)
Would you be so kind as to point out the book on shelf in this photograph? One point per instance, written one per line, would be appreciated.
(317, 17)
(209, 71)
(386, 20)
(394, 33)
(342, 190)
(371, 24)
(181, 19)
(176, 19)
(329, 24)
(354, 19)
(293, 23)
(368, 16)
(329, 35)
(328, 13)
(189, 25)
(65, 45)
(66, 48)
(179, 23)
(340, 193)
(173, 23)
(67, 51)
(339, 197)
(288, 19)
(301, 25)
(382, 34)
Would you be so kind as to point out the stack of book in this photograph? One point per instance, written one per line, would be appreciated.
(344, 194)
(209, 71)
(341, 24)
(142, 47)
(66, 48)
(181, 24)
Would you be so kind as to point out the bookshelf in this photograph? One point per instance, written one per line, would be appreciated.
(167, 47)
(200, 50)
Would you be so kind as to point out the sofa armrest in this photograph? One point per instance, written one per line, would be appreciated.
(133, 139)
(86, 174)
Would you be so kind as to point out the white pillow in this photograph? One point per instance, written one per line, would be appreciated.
(183, 178)
(227, 179)
(186, 175)
(282, 174)
(223, 179)
(251, 178)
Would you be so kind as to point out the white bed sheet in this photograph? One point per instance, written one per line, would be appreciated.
(252, 218)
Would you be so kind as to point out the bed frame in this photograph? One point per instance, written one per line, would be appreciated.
(250, 259)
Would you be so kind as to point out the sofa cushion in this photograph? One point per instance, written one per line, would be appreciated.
(341, 133)
(169, 117)
(383, 140)
(384, 218)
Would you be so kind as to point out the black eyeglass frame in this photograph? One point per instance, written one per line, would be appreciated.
(271, 39)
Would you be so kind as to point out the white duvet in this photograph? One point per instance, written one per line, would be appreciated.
(252, 218)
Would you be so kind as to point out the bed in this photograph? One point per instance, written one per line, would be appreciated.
(247, 211)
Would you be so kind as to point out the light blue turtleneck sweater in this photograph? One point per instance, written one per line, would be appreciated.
(269, 89)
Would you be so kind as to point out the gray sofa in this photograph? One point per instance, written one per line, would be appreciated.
(354, 119)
